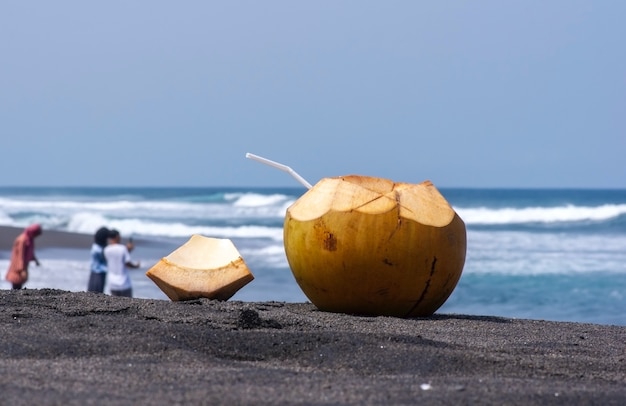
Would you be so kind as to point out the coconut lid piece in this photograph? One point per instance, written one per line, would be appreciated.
(202, 267)
(419, 202)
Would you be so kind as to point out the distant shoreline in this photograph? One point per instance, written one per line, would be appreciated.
(55, 239)
(48, 239)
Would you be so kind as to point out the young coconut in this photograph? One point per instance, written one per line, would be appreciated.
(202, 267)
(365, 245)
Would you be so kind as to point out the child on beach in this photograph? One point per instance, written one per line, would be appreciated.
(98, 268)
(22, 254)
(118, 262)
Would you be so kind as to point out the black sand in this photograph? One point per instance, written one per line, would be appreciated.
(81, 348)
(64, 348)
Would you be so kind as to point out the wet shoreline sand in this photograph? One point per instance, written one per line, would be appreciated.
(53, 239)
(48, 239)
(63, 347)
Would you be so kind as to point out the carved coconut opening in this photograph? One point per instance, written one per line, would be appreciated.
(368, 195)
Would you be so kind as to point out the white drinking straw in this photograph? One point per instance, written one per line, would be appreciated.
(281, 167)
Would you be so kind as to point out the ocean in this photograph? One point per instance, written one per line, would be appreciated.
(550, 254)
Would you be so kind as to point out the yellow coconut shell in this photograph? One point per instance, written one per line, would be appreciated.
(202, 267)
(365, 245)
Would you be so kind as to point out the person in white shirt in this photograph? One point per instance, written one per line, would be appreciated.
(118, 264)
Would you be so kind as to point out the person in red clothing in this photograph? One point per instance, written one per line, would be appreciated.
(22, 254)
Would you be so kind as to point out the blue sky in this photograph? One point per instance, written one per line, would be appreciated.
(463, 93)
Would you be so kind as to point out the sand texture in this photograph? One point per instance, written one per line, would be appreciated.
(82, 348)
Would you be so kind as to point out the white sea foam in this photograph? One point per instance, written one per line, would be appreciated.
(270, 256)
(74, 212)
(4, 218)
(521, 253)
(87, 223)
(569, 213)
(245, 205)
(256, 200)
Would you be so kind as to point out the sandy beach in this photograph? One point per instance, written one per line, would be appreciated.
(61, 347)
(80, 348)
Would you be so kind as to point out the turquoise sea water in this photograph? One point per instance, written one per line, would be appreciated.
(541, 254)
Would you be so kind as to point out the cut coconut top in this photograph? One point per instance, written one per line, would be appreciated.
(369, 195)
(204, 253)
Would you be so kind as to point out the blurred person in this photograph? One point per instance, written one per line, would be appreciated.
(22, 254)
(118, 263)
(98, 267)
